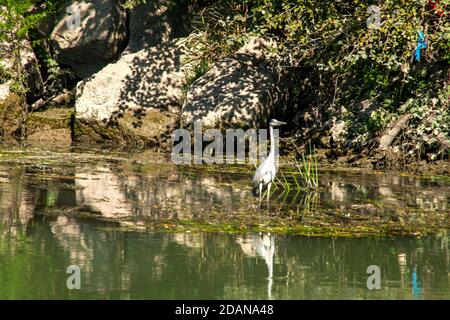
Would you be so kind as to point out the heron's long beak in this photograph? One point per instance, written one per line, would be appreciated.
(276, 123)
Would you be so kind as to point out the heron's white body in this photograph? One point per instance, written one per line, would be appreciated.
(266, 172)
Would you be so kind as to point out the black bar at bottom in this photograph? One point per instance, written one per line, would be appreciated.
(231, 309)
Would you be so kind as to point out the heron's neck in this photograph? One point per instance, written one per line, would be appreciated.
(272, 143)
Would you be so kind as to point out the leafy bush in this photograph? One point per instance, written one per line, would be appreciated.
(363, 62)
(219, 30)
(17, 18)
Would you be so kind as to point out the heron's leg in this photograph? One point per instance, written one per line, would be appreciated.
(268, 190)
(260, 192)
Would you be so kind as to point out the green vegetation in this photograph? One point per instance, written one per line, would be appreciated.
(343, 59)
(304, 175)
(308, 169)
(18, 18)
(301, 176)
(14, 29)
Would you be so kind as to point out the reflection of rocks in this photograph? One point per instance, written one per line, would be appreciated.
(188, 239)
(388, 195)
(116, 195)
(391, 190)
(134, 195)
(16, 204)
(69, 235)
(337, 191)
(101, 192)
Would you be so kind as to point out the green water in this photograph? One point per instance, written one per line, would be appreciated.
(94, 210)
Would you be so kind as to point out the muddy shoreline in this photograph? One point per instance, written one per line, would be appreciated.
(55, 137)
(56, 128)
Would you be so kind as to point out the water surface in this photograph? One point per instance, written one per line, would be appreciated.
(95, 210)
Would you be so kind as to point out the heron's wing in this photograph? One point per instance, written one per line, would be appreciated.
(264, 174)
(259, 174)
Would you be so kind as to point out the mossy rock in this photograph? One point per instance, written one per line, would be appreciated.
(50, 126)
(54, 118)
(132, 129)
(10, 115)
(321, 139)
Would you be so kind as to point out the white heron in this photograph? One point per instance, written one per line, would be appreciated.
(266, 172)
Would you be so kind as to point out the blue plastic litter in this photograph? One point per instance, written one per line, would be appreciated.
(421, 44)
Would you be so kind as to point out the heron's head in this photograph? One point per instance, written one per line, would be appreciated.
(275, 123)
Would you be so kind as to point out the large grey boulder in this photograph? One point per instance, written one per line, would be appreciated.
(150, 78)
(129, 92)
(155, 22)
(95, 39)
(241, 90)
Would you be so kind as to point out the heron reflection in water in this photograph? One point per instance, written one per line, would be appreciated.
(262, 245)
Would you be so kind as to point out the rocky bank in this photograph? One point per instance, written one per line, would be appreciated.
(130, 86)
